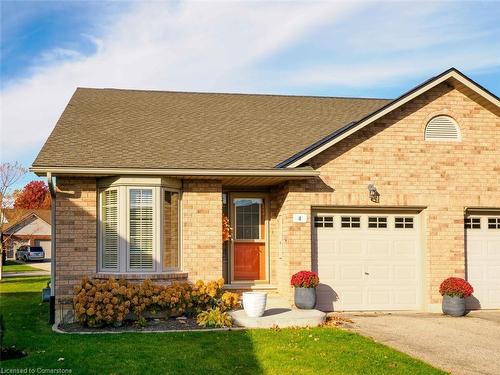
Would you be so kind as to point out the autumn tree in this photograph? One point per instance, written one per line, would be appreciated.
(10, 174)
(34, 195)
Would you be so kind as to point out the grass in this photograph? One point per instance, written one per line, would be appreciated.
(305, 351)
(11, 267)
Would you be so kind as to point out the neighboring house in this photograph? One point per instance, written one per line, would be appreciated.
(26, 227)
(143, 178)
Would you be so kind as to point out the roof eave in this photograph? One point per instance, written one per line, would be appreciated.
(100, 172)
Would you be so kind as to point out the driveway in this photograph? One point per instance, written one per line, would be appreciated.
(468, 345)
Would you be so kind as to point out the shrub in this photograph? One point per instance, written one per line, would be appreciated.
(305, 279)
(109, 302)
(214, 318)
(229, 301)
(455, 286)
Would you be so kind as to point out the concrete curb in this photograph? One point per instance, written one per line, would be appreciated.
(22, 274)
(56, 329)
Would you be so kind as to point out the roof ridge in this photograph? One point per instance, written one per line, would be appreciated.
(231, 93)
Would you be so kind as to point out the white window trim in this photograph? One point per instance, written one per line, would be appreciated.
(101, 231)
(123, 210)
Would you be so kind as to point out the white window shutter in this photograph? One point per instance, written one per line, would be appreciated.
(141, 234)
(110, 237)
(442, 128)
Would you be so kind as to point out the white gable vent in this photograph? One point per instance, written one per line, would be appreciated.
(442, 128)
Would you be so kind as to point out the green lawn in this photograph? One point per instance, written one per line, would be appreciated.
(305, 351)
(12, 267)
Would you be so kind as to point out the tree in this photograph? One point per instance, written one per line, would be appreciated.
(34, 195)
(10, 174)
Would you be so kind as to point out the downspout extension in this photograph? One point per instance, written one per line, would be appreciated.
(52, 303)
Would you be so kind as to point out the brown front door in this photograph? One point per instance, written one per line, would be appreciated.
(249, 237)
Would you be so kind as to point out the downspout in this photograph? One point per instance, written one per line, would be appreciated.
(52, 303)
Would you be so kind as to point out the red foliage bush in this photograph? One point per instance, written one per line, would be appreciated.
(455, 286)
(305, 279)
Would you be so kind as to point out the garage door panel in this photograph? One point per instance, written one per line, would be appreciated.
(405, 298)
(493, 273)
(378, 296)
(405, 249)
(349, 248)
(378, 248)
(379, 272)
(371, 268)
(404, 272)
(483, 263)
(493, 250)
(351, 272)
(350, 296)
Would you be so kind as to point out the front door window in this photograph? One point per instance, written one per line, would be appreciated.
(249, 247)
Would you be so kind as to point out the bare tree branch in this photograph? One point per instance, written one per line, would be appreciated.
(10, 174)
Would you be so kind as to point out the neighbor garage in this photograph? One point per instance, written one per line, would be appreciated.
(482, 236)
(367, 260)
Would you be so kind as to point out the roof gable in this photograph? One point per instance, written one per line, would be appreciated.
(17, 217)
(452, 75)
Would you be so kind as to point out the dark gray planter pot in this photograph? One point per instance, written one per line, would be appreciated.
(305, 298)
(454, 306)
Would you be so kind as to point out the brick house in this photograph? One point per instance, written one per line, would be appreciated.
(384, 198)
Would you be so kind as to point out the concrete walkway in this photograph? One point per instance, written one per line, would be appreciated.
(279, 313)
(280, 317)
(466, 345)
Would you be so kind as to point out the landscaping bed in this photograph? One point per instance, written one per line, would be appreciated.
(153, 325)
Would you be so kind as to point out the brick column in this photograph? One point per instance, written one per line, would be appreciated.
(202, 229)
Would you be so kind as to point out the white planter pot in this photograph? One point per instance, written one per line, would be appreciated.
(254, 304)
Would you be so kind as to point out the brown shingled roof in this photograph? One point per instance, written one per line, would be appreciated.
(109, 128)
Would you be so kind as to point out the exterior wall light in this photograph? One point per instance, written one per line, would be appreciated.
(374, 194)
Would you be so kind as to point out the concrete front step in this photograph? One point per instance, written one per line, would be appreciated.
(280, 317)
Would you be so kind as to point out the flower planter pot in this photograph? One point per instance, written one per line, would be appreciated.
(453, 305)
(305, 298)
(254, 304)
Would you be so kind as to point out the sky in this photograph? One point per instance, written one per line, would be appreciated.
(329, 48)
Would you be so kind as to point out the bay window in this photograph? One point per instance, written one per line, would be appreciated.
(138, 229)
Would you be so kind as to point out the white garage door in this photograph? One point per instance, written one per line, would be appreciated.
(46, 245)
(367, 261)
(483, 260)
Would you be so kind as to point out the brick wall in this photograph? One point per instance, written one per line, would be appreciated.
(76, 215)
(445, 177)
(202, 229)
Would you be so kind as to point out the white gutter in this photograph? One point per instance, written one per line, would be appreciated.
(296, 172)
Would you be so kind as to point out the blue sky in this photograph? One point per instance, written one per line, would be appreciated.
(368, 49)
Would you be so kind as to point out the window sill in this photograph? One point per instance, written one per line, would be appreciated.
(171, 275)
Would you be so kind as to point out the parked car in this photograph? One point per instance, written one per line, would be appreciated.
(30, 253)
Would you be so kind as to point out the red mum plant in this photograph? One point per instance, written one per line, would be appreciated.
(305, 279)
(455, 286)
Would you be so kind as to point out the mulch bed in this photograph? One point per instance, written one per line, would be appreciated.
(153, 325)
